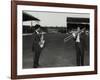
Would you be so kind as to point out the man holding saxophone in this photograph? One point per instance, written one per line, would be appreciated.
(38, 44)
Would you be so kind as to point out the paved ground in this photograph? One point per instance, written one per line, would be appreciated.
(55, 54)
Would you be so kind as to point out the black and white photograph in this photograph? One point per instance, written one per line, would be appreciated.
(55, 39)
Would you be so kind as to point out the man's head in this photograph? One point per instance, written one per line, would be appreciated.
(78, 28)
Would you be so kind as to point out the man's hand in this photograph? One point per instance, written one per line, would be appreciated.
(74, 34)
(41, 43)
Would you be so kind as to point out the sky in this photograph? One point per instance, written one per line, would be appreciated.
(54, 19)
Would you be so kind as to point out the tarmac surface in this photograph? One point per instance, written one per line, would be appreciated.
(56, 53)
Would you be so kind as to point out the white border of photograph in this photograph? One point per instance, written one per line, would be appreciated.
(21, 71)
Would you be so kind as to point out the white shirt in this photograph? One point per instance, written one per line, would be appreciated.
(78, 38)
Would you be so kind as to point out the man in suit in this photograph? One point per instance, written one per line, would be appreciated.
(79, 44)
(36, 45)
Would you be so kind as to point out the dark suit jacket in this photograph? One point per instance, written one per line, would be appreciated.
(36, 40)
(82, 40)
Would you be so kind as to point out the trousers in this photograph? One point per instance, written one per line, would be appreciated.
(36, 58)
(79, 54)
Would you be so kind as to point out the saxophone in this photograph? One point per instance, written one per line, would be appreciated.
(42, 41)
